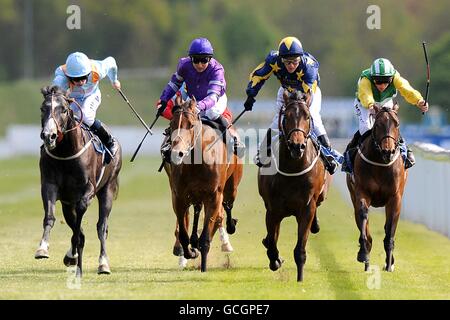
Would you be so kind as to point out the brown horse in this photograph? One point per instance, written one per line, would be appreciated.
(379, 180)
(199, 175)
(73, 173)
(299, 184)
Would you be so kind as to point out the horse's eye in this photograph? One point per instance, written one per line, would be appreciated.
(64, 110)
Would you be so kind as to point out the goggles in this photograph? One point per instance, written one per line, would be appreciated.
(200, 59)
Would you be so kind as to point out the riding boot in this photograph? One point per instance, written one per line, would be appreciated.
(166, 147)
(238, 146)
(263, 160)
(99, 129)
(351, 152)
(330, 163)
(409, 159)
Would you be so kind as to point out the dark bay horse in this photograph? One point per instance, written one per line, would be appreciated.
(299, 184)
(201, 177)
(73, 173)
(379, 180)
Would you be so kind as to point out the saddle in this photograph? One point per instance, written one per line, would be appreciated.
(98, 145)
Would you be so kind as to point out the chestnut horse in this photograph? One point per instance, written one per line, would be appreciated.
(299, 184)
(200, 176)
(378, 180)
(73, 173)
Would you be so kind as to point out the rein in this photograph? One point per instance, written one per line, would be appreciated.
(307, 136)
(189, 147)
(281, 127)
(377, 144)
(62, 131)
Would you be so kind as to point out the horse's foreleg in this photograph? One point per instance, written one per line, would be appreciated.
(193, 240)
(48, 194)
(362, 220)
(392, 215)
(212, 213)
(231, 222)
(303, 224)
(182, 210)
(105, 198)
(273, 222)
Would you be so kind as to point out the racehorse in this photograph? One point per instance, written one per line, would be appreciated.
(73, 173)
(299, 184)
(379, 180)
(210, 180)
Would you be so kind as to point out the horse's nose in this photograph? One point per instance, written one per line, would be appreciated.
(52, 136)
(303, 146)
(181, 154)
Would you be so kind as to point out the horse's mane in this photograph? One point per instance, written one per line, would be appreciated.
(53, 89)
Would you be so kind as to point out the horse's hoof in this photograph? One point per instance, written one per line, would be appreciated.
(274, 265)
(315, 228)
(177, 251)
(182, 262)
(70, 261)
(103, 269)
(192, 254)
(226, 247)
(362, 256)
(41, 254)
(231, 227)
(391, 269)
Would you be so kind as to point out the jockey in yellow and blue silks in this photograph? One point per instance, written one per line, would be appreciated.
(378, 85)
(81, 76)
(296, 70)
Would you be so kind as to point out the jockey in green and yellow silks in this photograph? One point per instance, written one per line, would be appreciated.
(378, 85)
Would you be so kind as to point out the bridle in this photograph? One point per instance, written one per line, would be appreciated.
(387, 135)
(282, 124)
(182, 112)
(62, 130)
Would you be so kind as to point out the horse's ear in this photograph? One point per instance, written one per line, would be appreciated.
(376, 108)
(192, 103)
(286, 96)
(178, 100)
(45, 90)
(396, 107)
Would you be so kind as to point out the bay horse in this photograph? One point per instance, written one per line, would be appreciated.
(209, 179)
(299, 184)
(378, 180)
(73, 173)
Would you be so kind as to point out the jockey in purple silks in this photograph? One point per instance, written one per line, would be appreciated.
(204, 79)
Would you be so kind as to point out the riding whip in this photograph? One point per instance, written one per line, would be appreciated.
(428, 71)
(223, 132)
(134, 111)
(145, 136)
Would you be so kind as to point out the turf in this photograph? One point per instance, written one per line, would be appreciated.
(143, 267)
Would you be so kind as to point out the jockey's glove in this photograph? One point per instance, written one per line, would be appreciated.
(248, 104)
(162, 107)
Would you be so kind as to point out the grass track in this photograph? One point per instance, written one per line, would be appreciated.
(141, 238)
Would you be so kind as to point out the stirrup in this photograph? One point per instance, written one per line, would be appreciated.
(258, 161)
(239, 148)
(166, 150)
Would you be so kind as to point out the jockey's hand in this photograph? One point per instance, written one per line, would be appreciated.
(422, 105)
(248, 104)
(116, 84)
(161, 107)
